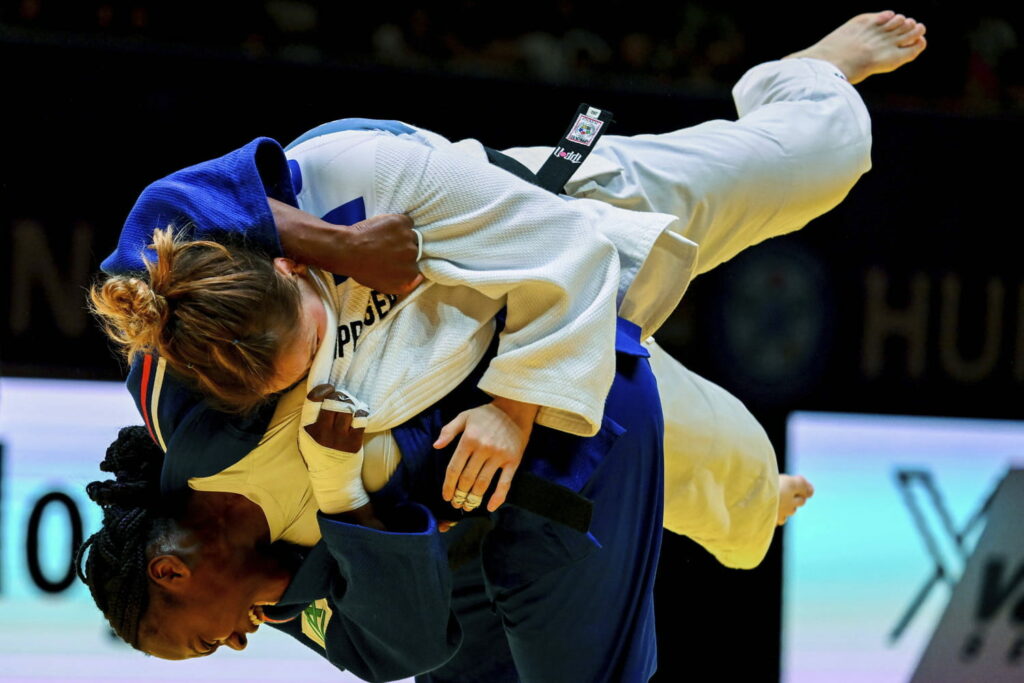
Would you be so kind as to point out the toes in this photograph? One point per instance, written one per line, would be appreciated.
(883, 17)
(908, 26)
(894, 23)
(911, 37)
(913, 49)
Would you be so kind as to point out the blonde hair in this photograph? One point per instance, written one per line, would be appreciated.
(219, 316)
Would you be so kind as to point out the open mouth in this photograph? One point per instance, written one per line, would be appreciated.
(256, 615)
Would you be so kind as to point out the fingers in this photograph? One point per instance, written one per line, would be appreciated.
(325, 419)
(419, 244)
(483, 480)
(469, 473)
(471, 470)
(320, 392)
(459, 458)
(340, 423)
(451, 430)
(344, 405)
(389, 221)
(387, 250)
(490, 440)
(474, 481)
(501, 490)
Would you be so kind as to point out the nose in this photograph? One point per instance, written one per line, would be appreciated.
(237, 641)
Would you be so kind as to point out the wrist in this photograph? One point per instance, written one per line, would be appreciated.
(523, 414)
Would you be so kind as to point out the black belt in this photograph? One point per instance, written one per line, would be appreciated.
(528, 490)
(567, 156)
(548, 499)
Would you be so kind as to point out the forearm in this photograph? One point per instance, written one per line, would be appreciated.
(379, 252)
(331, 446)
(308, 240)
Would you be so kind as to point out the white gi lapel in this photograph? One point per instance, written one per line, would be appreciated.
(319, 372)
(329, 367)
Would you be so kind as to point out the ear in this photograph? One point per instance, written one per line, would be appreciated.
(289, 268)
(170, 571)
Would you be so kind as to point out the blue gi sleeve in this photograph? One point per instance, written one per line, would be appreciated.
(387, 612)
(226, 196)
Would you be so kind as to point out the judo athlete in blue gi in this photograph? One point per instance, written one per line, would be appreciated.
(569, 606)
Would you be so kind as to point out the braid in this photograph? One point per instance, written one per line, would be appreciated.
(133, 516)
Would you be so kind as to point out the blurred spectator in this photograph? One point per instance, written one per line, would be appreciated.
(690, 44)
(992, 40)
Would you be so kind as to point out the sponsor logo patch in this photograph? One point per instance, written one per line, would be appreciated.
(571, 157)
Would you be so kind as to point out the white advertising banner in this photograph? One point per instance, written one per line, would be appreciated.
(53, 434)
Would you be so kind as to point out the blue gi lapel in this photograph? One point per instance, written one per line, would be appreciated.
(199, 440)
(311, 581)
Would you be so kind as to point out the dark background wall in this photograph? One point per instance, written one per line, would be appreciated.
(908, 298)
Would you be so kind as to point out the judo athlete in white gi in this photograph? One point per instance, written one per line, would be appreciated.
(801, 142)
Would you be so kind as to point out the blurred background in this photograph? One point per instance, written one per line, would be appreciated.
(907, 300)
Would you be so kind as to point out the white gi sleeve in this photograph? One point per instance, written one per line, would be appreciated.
(506, 239)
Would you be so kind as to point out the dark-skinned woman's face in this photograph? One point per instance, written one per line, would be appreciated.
(194, 610)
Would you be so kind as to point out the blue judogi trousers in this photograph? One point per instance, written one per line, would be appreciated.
(537, 601)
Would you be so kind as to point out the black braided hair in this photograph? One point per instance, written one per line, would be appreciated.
(134, 516)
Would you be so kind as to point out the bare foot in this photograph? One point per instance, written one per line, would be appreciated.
(875, 43)
(793, 493)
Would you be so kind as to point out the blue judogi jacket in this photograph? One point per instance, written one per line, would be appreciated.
(389, 593)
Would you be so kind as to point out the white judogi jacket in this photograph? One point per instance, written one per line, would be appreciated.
(802, 141)
(490, 240)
